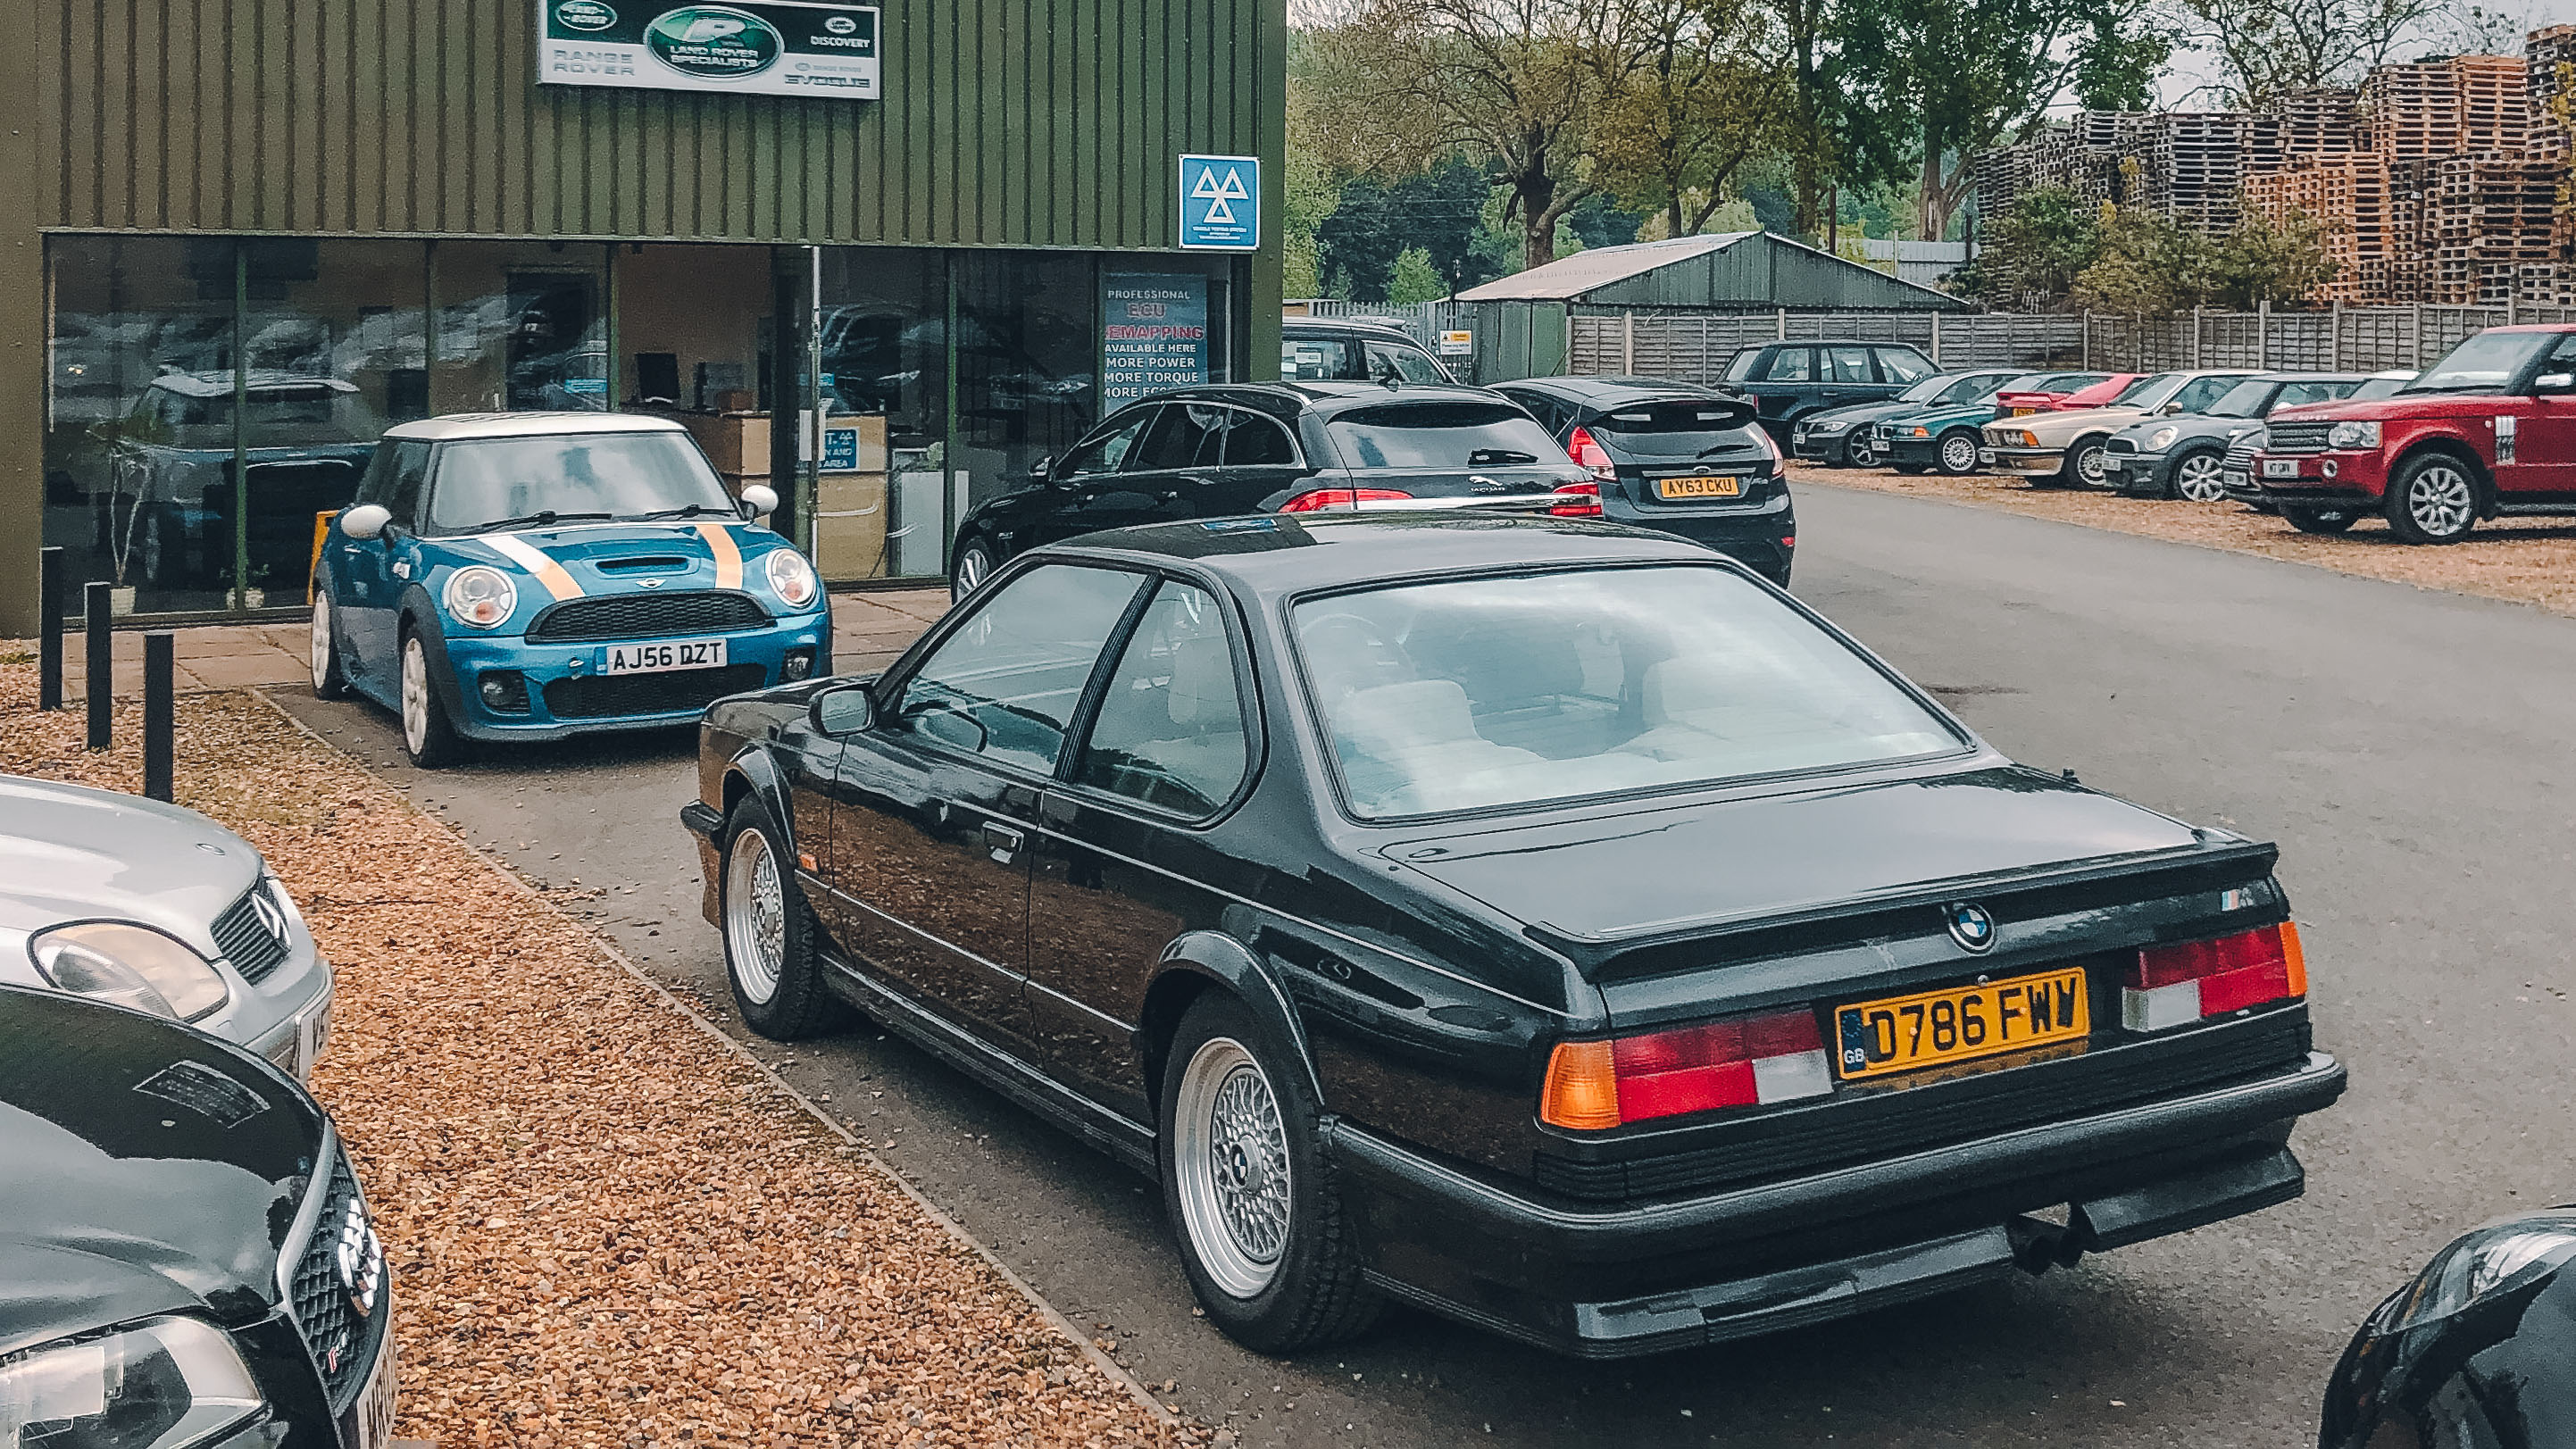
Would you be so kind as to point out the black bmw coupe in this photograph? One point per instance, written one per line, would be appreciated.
(1547, 923)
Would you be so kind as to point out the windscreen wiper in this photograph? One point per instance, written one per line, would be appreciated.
(540, 518)
(1498, 457)
(690, 510)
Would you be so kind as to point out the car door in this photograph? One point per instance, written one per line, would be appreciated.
(1789, 386)
(1846, 375)
(1262, 467)
(367, 588)
(927, 864)
(2543, 426)
(1087, 488)
(1173, 467)
(1124, 865)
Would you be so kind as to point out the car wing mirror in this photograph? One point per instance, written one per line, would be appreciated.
(1041, 470)
(847, 710)
(759, 500)
(2554, 382)
(366, 521)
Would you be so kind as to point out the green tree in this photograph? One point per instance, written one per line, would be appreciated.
(2143, 265)
(1441, 210)
(2260, 262)
(2034, 255)
(1415, 279)
(2268, 48)
(1709, 96)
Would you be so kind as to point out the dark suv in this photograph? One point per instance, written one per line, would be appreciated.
(1788, 380)
(1673, 458)
(186, 1254)
(1206, 452)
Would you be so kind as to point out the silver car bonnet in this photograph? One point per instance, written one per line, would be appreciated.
(71, 853)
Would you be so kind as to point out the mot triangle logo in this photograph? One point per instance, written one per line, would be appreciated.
(1220, 195)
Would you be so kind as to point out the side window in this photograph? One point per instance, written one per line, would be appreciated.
(1903, 365)
(1184, 435)
(1256, 442)
(1103, 454)
(1792, 364)
(1744, 365)
(1170, 730)
(411, 477)
(1850, 364)
(1004, 685)
(1409, 363)
(2197, 394)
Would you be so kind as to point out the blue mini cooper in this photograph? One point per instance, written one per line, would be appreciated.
(531, 576)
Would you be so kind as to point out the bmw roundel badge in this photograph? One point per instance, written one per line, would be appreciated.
(1970, 926)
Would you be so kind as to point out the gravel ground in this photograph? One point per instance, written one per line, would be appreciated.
(2526, 561)
(608, 1227)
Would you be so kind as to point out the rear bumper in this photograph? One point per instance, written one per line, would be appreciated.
(1644, 1277)
(1758, 537)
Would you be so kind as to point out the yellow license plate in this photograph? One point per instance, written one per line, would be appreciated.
(1699, 487)
(1906, 1033)
(2023, 412)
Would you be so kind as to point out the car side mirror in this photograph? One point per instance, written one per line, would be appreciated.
(848, 710)
(2171, 408)
(1043, 469)
(2554, 382)
(366, 521)
(759, 500)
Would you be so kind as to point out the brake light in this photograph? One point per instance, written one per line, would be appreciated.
(1770, 445)
(1749, 1062)
(1322, 498)
(2176, 985)
(1585, 449)
(1577, 500)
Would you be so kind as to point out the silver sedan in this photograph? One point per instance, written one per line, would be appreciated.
(149, 906)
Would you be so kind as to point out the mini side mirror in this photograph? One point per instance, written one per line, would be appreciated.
(365, 521)
(759, 500)
(848, 710)
(2554, 382)
(2172, 408)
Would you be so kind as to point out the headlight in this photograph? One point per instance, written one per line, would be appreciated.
(169, 1382)
(2353, 435)
(791, 576)
(480, 596)
(2492, 1259)
(1827, 425)
(2162, 438)
(130, 965)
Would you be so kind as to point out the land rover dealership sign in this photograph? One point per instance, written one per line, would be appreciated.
(758, 47)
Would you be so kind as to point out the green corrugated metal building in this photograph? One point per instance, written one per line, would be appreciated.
(237, 236)
(1522, 320)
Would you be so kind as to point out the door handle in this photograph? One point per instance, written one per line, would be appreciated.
(1002, 841)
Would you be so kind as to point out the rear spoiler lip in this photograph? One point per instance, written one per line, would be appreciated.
(1594, 949)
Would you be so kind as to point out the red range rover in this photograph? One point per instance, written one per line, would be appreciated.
(2490, 430)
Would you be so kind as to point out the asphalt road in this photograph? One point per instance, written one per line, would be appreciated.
(2410, 751)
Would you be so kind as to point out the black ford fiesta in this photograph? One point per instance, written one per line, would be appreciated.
(1547, 923)
(2478, 1349)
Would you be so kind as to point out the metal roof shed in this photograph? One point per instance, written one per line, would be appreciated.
(1521, 320)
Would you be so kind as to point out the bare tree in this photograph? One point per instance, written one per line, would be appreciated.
(2267, 48)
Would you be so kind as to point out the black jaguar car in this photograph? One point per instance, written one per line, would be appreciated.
(185, 1256)
(2478, 1349)
(1203, 452)
(1550, 924)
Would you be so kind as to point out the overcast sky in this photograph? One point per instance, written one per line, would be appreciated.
(2194, 73)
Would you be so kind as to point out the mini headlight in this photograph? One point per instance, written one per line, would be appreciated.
(2162, 438)
(169, 1382)
(791, 576)
(2353, 435)
(2489, 1260)
(481, 596)
(130, 965)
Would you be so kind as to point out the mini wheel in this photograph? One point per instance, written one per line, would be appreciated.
(2195, 476)
(429, 735)
(329, 680)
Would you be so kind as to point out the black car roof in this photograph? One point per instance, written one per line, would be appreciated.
(1833, 342)
(1287, 399)
(1608, 391)
(1276, 554)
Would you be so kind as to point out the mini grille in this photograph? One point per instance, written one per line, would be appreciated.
(616, 694)
(2240, 454)
(2296, 437)
(343, 1342)
(2121, 445)
(245, 938)
(644, 616)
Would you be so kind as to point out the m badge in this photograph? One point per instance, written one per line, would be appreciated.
(1221, 203)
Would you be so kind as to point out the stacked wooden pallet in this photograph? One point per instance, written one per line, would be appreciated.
(2348, 197)
(2486, 217)
(2195, 168)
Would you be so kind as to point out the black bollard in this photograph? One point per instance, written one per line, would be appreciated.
(49, 628)
(159, 652)
(102, 667)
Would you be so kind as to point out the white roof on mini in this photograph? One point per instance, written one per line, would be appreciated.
(456, 426)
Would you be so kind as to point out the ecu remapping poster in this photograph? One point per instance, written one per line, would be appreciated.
(1154, 335)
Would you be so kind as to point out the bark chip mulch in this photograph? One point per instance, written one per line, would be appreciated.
(2527, 560)
(607, 1227)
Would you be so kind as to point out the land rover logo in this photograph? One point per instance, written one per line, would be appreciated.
(841, 25)
(1970, 926)
(713, 41)
(584, 15)
(362, 1259)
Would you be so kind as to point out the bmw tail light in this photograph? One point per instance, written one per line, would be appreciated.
(1577, 500)
(1316, 500)
(1586, 449)
(1748, 1062)
(2191, 981)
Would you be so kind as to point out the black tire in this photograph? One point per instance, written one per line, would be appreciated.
(972, 566)
(795, 1003)
(429, 736)
(2195, 477)
(1909, 469)
(2083, 466)
(1947, 450)
(1313, 1293)
(1858, 452)
(330, 681)
(2321, 520)
(2433, 498)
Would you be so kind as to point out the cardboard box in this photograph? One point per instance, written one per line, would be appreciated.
(850, 527)
(734, 442)
(854, 444)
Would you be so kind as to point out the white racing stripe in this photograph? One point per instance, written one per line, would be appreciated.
(528, 556)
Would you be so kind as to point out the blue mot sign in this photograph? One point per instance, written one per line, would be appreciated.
(1221, 203)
